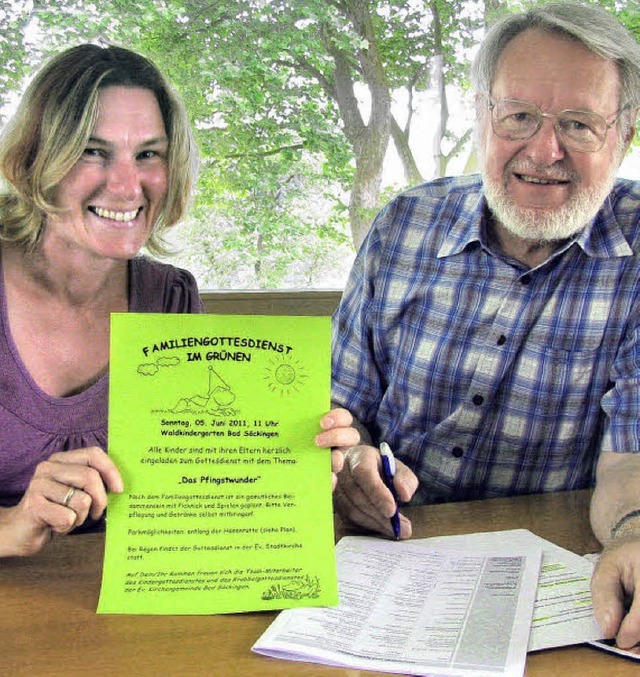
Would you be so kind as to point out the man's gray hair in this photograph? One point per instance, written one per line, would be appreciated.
(594, 27)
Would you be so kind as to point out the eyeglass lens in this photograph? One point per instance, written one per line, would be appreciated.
(519, 120)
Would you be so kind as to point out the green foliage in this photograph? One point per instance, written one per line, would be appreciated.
(271, 87)
(259, 124)
(13, 56)
(263, 81)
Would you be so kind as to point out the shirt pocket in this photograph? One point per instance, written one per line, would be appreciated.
(561, 375)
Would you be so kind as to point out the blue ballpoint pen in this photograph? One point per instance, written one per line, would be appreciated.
(388, 473)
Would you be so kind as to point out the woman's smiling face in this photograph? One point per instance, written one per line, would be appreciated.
(113, 195)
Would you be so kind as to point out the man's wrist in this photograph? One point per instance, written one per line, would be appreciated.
(629, 522)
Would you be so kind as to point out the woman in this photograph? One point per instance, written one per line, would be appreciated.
(98, 162)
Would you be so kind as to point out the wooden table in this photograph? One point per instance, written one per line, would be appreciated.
(48, 624)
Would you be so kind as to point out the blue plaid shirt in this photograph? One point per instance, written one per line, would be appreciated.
(488, 378)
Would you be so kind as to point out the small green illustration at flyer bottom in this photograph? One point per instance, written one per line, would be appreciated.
(227, 501)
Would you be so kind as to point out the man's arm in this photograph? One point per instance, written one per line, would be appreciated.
(615, 520)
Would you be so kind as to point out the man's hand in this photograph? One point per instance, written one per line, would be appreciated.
(615, 586)
(65, 490)
(615, 589)
(362, 497)
(339, 435)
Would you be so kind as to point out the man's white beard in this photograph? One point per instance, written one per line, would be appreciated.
(546, 225)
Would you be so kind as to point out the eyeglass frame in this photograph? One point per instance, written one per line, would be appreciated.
(491, 104)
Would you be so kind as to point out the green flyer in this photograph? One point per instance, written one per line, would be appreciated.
(227, 503)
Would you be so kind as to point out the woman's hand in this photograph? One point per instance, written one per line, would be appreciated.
(339, 435)
(65, 490)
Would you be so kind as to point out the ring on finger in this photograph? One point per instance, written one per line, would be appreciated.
(68, 496)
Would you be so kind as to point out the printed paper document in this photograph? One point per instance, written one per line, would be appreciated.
(418, 610)
(563, 613)
(227, 503)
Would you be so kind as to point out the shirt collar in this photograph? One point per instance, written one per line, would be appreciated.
(466, 229)
(602, 238)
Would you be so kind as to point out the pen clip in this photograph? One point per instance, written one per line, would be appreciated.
(388, 466)
(388, 473)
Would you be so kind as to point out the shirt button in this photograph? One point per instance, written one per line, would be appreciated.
(525, 279)
(457, 452)
(477, 400)
(502, 340)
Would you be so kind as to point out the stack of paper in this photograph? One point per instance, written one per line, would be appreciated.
(455, 605)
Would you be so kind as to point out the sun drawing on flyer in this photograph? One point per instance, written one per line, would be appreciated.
(285, 375)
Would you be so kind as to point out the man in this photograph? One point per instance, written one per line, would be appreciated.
(490, 329)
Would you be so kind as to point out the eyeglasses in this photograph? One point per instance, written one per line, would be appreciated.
(579, 130)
